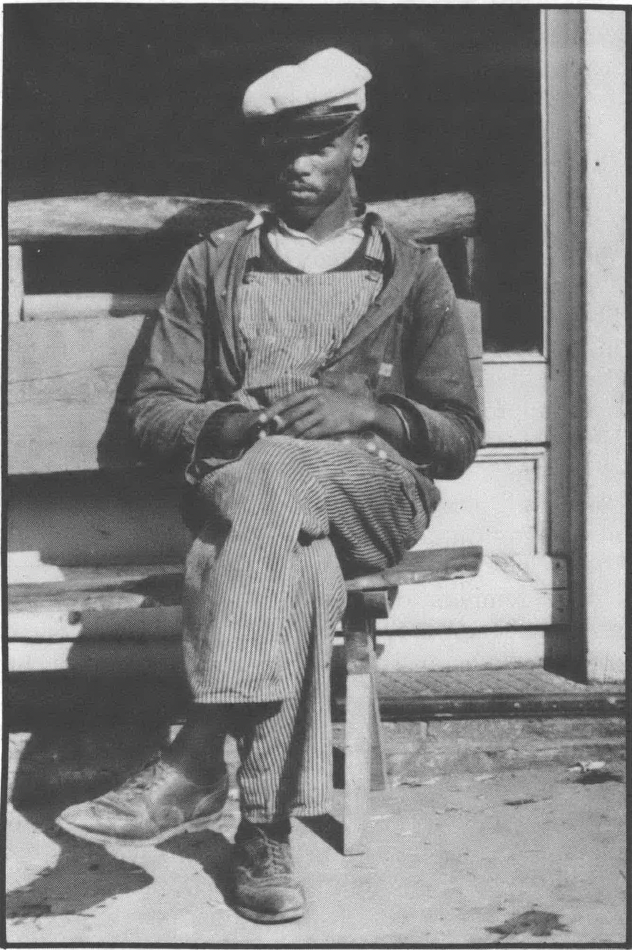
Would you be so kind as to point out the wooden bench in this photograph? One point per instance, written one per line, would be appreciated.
(70, 362)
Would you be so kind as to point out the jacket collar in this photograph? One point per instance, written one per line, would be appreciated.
(367, 218)
(401, 260)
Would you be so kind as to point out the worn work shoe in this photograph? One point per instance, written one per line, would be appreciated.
(148, 808)
(265, 888)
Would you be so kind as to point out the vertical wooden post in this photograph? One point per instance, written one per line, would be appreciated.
(359, 714)
(604, 429)
(564, 234)
(378, 764)
(16, 283)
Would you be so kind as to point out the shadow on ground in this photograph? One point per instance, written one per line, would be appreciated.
(78, 754)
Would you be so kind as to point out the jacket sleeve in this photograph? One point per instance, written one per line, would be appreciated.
(440, 402)
(167, 409)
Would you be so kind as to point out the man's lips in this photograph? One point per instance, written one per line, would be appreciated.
(298, 188)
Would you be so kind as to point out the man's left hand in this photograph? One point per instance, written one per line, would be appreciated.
(321, 412)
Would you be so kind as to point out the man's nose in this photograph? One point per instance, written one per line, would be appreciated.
(300, 165)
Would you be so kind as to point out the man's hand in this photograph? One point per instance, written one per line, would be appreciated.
(226, 433)
(321, 412)
(239, 428)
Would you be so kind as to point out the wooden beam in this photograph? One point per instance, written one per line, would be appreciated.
(113, 215)
(422, 219)
(358, 633)
(92, 306)
(16, 284)
(140, 603)
(431, 218)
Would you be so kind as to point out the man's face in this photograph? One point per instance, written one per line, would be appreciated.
(308, 177)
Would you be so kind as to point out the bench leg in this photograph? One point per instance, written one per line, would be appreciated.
(378, 762)
(364, 763)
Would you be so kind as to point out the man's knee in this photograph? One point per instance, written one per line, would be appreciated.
(275, 467)
(274, 455)
(274, 477)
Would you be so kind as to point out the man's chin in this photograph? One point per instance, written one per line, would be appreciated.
(299, 203)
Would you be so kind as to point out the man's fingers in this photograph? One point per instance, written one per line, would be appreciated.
(305, 421)
(288, 402)
(292, 415)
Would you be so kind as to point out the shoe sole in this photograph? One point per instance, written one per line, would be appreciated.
(259, 918)
(196, 824)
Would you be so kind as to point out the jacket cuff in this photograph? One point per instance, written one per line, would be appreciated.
(419, 447)
(197, 419)
(203, 461)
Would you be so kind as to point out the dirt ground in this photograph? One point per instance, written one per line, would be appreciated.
(531, 856)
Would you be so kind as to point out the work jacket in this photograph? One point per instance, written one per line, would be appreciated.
(409, 349)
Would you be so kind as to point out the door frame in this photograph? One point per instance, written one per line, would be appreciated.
(583, 123)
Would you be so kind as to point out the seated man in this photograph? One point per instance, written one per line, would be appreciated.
(310, 370)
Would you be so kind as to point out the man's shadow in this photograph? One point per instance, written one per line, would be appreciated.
(75, 754)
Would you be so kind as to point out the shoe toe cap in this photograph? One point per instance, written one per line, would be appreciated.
(274, 902)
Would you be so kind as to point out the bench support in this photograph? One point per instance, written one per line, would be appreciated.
(365, 769)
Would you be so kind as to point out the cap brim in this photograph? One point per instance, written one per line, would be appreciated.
(311, 129)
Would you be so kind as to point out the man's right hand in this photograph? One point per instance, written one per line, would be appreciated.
(227, 433)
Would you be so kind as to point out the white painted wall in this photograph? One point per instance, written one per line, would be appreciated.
(605, 243)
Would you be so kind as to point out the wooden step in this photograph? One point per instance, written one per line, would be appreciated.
(128, 618)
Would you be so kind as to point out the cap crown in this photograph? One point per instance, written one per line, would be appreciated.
(329, 76)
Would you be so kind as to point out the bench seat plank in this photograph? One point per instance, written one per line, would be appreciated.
(104, 605)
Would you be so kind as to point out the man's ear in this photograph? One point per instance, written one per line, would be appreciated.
(360, 150)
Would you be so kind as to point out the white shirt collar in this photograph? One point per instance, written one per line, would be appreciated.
(353, 226)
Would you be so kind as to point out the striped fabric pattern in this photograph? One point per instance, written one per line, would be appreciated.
(291, 322)
(264, 583)
(264, 590)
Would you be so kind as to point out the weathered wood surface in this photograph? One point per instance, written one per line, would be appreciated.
(422, 567)
(88, 306)
(102, 603)
(422, 219)
(16, 284)
(63, 381)
(358, 732)
(68, 381)
(131, 586)
(115, 215)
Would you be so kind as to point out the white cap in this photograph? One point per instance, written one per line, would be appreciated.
(329, 77)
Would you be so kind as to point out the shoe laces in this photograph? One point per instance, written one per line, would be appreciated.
(273, 855)
(142, 780)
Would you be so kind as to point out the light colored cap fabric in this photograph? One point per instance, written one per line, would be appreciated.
(330, 77)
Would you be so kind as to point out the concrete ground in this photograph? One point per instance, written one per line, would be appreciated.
(529, 854)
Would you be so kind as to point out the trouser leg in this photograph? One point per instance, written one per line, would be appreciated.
(264, 592)
(286, 747)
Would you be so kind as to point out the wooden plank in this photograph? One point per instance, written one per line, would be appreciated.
(470, 312)
(513, 593)
(422, 219)
(112, 215)
(132, 517)
(162, 589)
(378, 760)
(90, 658)
(16, 284)
(93, 518)
(432, 218)
(564, 148)
(359, 713)
(88, 306)
(494, 600)
(62, 384)
(420, 567)
(604, 358)
(89, 579)
(64, 377)
(516, 410)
